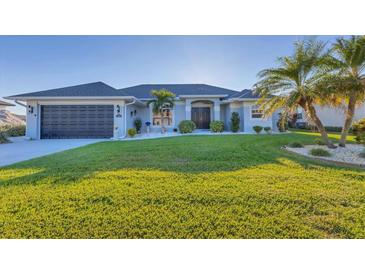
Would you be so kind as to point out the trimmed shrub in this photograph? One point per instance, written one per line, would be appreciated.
(282, 124)
(301, 125)
(319, 152)
(358, 129)
(235, 122)
(138, 124)
(333, 129)
(13, 131)
(257, 129)
(3, 138)
(267, 130)
(132, 132)
(187, 126)
(319, 141)
(216, 126)
(295, 144)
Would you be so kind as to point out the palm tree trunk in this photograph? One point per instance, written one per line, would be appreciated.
(350, 112)
(162, 127)
(313, 116)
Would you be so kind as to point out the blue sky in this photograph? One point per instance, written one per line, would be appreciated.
(33, 63)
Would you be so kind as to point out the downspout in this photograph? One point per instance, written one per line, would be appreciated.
(125, 117)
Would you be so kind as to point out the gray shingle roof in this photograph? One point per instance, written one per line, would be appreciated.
(245, 94)
(100, 89)
(89, 90)
(144, 91)
(3, 103)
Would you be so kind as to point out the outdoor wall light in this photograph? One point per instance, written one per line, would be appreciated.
(135, 112)
(118, 112)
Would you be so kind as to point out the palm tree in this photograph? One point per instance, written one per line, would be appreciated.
(163, 99)
(292, 84)
(345, 81)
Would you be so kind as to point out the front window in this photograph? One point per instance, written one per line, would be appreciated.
(256, 112)
(167, 117)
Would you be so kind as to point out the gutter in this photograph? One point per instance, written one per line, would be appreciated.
(20, 104)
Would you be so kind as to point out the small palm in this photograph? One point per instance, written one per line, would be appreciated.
(163, 98)
(345, 80)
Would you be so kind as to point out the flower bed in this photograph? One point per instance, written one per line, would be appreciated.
(347, 155)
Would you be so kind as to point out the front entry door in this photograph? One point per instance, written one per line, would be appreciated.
(201, 117)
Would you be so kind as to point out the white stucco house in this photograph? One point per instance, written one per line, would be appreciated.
(97, 110)
(330, 116)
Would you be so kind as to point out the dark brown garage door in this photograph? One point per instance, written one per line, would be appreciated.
(77, 121)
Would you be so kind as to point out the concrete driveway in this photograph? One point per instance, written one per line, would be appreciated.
(22, 149)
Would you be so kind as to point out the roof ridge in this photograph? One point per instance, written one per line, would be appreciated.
(197, 84)
(78, 85)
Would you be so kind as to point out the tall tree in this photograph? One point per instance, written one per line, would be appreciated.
(163, 99)
(292, 83)
(345, 81)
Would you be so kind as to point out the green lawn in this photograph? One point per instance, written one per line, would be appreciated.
(241, 186)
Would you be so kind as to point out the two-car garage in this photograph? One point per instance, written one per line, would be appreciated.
(76, 121)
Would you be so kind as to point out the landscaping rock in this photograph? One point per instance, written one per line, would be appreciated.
(347, 155)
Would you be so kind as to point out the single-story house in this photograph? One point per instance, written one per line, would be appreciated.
(97, 110)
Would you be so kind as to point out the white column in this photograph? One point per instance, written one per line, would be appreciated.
(217, 110)
(187, 109)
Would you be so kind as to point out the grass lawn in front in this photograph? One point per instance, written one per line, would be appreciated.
(236, 186)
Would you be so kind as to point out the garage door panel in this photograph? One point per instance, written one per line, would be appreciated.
(77, 121)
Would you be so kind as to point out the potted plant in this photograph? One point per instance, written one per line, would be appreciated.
(267, 130)
(148, 124)
(257, 129)
(138, 125)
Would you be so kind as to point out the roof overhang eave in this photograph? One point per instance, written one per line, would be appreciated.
(25, 98)
(241, 99)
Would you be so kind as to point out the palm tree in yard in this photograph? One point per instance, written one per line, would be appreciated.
(293, 83)
(345, 81)
(163, 99)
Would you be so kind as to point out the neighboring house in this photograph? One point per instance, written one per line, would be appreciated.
(4, 104)
(97, 110)
(331, 117)
(8, 118)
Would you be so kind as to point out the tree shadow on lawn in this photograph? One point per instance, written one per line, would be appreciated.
(185, 155)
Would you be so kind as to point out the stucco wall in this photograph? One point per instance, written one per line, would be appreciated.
(335, 116)
(235, 107)
(249, 122)
(275, 120)
(179, 112)
(33, 120)
(223, 116)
